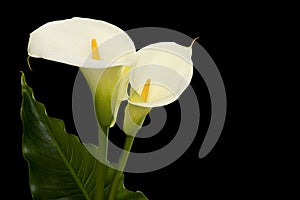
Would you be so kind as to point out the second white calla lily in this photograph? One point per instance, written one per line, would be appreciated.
(160, 74)
(167, 67)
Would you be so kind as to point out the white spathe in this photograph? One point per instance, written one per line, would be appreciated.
(69, 41)
(169, 67)
(100, 50)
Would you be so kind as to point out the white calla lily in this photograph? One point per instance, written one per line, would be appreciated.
(159, 75)
(101, 50)
(69, 41)
(169, 68)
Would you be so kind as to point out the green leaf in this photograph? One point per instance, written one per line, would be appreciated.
(60, 167)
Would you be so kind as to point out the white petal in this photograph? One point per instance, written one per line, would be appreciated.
(168, 66)
(69, 41)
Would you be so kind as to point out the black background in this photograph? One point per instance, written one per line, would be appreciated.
(233, 169)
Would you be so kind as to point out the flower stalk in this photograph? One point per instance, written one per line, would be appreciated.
(121, 166)
(101, 167)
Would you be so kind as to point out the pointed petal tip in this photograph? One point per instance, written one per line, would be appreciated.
(194, 40)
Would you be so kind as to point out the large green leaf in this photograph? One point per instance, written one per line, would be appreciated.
(59, 165)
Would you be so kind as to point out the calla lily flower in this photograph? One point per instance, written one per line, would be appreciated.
(159, 75)
(81, 42)
(168, 69)
(101, 51)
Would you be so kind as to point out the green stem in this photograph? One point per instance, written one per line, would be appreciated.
(121, 164)
(101, 167)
